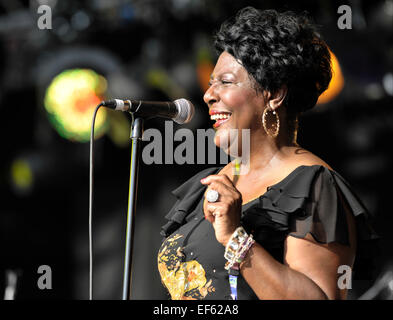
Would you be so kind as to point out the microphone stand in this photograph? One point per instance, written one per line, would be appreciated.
(136, 136)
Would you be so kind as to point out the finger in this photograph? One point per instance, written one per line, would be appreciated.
(216, 209)
(218, 177)
(210, 214)
(213, 211)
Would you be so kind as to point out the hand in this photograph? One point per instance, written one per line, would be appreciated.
(224, 214)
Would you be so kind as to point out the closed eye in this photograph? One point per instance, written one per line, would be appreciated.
(221, 81)
(224, 81)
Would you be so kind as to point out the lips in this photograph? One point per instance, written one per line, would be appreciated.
(220, 117)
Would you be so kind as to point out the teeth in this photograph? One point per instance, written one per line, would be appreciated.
(220, 116)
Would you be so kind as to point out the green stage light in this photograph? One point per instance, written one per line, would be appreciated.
(70, 100)
(22, 177)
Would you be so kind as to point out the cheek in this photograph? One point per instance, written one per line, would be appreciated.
(242, 102)
(246, 106)
(234, 99)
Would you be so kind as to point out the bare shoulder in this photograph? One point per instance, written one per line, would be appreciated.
(298, 156)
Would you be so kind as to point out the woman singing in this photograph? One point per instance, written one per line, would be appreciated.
(282, 227)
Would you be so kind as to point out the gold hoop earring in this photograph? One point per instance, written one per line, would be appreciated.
(275, 126)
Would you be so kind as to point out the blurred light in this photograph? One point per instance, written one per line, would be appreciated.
(336, 84)
(374, 91)
(181, 4)
(61, 26)
(387, 82)
(204, 68)
(184, 73)
(43, 168)
(388, 6)
(160, 79)
(80, 20)
(51, 3)
(360, 136)
(152, 49)
(70, 100)
(127, 12)
(11, 284)
(381, 15)
(119, 129)
(21, 175)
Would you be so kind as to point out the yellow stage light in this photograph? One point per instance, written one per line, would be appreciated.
(336, 84)
(21, 175)
(70, 101)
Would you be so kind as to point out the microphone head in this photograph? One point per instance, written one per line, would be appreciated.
(185, 111)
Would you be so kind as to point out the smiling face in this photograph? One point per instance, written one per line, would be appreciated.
(233, 102)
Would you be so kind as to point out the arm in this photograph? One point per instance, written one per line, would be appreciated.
(309, 270)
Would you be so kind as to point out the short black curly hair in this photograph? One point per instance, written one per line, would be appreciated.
(279, 49)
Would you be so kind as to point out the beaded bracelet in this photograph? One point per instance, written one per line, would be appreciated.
(237, 246)
(236, 257)
(235, 252)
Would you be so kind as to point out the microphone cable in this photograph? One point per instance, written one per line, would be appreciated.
(91, 202)
(91, 183)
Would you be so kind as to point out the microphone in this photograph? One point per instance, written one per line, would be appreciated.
(181, 110)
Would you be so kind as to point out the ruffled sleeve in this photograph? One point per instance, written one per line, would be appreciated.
(188, 196)
(325, 218)
(313, 199)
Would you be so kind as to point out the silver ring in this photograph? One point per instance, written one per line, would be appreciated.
(212, 195)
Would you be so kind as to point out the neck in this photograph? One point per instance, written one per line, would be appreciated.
(267, 152)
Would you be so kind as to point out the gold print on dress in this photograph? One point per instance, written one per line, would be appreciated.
(184, 280)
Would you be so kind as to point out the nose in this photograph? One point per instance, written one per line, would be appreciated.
(210, 95)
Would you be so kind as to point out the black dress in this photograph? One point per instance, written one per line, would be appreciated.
(310, 199)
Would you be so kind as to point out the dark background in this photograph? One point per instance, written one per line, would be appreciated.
(152, 50)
